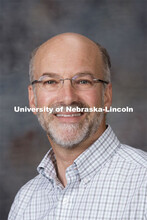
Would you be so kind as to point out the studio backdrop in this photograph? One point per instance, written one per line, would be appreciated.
(120, 26)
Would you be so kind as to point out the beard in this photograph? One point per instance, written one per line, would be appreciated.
(69, 135)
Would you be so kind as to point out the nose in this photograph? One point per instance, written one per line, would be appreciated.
(67, 94)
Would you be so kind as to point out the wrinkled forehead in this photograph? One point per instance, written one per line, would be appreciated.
(68, 53)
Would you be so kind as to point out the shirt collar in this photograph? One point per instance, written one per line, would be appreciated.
(89, 161)
(47, 167)
(103, 149)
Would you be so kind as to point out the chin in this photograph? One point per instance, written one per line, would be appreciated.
(70, 135)
(67, 135)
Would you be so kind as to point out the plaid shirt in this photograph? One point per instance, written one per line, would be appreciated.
(107, 181)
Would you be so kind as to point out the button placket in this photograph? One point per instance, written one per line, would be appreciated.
(65, 200)
(85, 181)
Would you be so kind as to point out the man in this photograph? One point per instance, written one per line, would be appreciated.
(88, 173)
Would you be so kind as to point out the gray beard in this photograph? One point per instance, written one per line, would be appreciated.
(70, 135)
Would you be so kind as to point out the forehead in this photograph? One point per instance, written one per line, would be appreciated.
(67, 57)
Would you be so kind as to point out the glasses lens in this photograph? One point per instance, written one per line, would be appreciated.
(83, 82)
(50, 83)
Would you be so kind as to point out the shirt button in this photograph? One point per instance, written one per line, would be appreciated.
(65, 200)
(85, 181)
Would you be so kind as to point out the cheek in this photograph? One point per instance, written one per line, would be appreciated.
(92, 98)
(44, 99)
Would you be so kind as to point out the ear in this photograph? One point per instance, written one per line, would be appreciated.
(108, 96)
(31, 97)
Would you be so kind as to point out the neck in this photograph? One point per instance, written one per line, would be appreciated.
(66, 156)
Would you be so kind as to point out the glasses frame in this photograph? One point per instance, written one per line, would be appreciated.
(95, 80)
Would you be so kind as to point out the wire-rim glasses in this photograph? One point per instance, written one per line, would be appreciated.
(51, 82)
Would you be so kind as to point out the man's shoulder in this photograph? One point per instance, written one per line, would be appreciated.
(32, 188)
(37, 183)
(133, 156)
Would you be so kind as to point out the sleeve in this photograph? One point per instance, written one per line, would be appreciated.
(14, 207)
(21, 202)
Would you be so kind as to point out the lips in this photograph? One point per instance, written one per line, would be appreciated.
(66, 117)
(69, 115)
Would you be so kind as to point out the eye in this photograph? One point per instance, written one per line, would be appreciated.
(50, 82)
(83, 81)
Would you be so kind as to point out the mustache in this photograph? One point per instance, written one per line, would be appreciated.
(72, 105)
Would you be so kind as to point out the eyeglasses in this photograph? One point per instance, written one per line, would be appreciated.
(78, 82)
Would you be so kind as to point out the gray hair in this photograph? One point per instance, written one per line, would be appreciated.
(106, 62)
(105, 57)
(31, 65)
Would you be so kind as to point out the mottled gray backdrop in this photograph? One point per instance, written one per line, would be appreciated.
(119, 25)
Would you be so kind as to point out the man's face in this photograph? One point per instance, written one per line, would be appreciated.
(67, 58)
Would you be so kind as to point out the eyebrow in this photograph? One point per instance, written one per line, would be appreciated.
(84, 74)
(57, 75)
(50, 74)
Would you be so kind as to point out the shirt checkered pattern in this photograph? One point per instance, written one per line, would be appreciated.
(107, 181)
